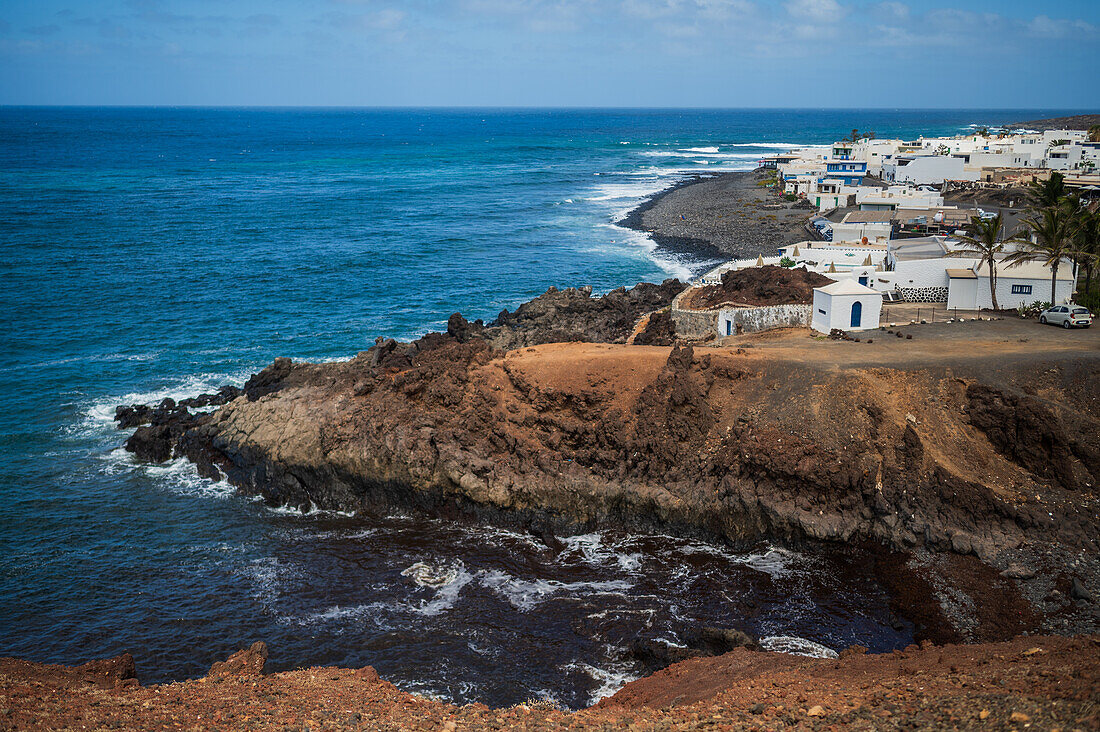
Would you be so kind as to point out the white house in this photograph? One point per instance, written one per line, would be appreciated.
(926, 169)
(870, 198)
(968, 287)
(846, 305)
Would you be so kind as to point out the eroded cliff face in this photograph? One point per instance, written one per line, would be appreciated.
(736, 443)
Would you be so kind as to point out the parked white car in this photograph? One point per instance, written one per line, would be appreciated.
(1067, 316)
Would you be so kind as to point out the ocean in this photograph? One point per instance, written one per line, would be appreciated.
(162, 252)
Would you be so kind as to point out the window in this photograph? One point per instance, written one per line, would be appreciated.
(822, 311)
(1021, 289)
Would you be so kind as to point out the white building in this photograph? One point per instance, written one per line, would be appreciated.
(968, 288)
(865, 227)
(921, 270)
(869, 198)
(927, 169)
(846, 305)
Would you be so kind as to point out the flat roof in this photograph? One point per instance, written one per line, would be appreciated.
(869, 217)
(962, 274)
(925, 247)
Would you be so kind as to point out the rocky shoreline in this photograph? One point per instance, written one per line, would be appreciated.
(961, 472)
(720, 216)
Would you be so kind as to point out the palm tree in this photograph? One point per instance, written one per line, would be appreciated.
(984, 240)
(1051, 231)
(1086, 240)
(1049, 192)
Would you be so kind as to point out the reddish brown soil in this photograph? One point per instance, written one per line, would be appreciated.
(769, 285)
(1038, 683)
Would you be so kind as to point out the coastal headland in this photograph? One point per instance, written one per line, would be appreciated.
(965, 452)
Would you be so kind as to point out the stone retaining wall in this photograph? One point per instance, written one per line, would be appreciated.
(701, 323)
(692, 323)
(751, 320)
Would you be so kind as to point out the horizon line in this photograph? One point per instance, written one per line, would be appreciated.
(1075, 111)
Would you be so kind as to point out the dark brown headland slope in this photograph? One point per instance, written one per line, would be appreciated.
(1076, 122)
(1037, 683)
(721, 216)
(969, 450)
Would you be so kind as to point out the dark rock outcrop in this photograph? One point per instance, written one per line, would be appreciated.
(245, 662)
(768, 285)
(561, 316)
(706, 641)
(1025, 429)
(658, 331)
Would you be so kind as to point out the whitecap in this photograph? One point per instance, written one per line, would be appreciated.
(593, 551)
(447, 579)
(680, 154)
(310, 511)
(796, 646)
(772, 561)
(608, 680)
(340, 613)
(526, 594)
(179, 475)
(699, 149)
(777, 145)
(98, 417)
(426, 575)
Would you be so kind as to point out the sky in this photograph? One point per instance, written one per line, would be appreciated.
(1012, 54)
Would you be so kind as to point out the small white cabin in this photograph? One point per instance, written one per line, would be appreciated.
(846, 305)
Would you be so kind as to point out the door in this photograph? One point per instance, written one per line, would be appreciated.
(729, 327)
(857, 313)
(863, 280)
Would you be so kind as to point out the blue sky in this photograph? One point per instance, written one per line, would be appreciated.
(645, 53)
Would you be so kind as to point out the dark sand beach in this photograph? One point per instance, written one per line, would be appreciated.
(718, 217)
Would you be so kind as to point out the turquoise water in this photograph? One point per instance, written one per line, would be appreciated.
(157, 252)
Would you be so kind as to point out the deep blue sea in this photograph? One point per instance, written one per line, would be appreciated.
(160, 252)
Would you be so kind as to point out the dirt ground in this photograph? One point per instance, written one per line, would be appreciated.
(939, 343)
(1042, 683)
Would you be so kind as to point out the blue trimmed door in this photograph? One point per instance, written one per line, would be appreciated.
(857, 313)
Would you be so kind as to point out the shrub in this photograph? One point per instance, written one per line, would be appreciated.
(1090, 300)
(786, 262)
(790, 197)
(1032, 310)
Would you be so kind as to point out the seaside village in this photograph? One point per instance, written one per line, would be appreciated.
(892, 223)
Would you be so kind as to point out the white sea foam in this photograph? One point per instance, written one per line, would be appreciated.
(427, 575)
(592, 549)
(343, 614)
(526, 594)
(773, 561)
(179, 476)
(266, 575)
(98, 417)
(640, 239)
(796, 646)
(682, 154)
(629, 190)
(699, 149)
(447, 579)
(776, 145)
(311, 511)
(608, 680)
